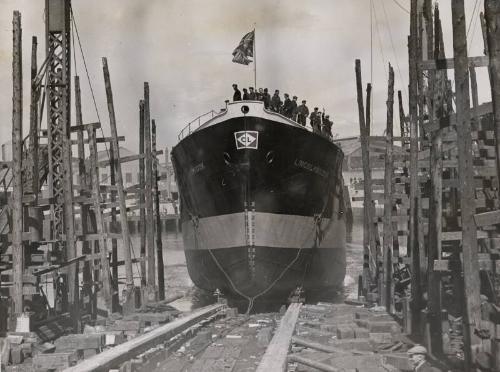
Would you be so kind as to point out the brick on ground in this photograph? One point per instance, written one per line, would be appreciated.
(16, 354)
(79, 342)
(400, 360)
(381, 337)
(361, 332)
(353, 344)
(383, 326)
(345, 333)
(42, 362)
(126, 325)
(359, 363)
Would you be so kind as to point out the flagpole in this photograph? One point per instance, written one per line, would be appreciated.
(255, 57)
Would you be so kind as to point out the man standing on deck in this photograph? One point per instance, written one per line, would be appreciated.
(266, 98)
(294, 108)
(245, 94)
(302, 113)
(327, 126)
(276, 101)
(287, 106)
(251, 94)
(237, 93)
(315, 121)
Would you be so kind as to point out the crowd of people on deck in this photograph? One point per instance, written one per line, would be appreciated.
(319, 121)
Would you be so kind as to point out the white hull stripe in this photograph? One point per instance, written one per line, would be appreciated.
(269, 230)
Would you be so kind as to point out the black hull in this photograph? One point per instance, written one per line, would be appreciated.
(310, 269)
(263, 219)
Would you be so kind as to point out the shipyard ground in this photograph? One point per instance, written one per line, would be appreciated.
(325, 337)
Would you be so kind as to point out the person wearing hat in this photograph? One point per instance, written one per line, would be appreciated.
(302, 113)
(276, 101)
(287, 106)
(315, 121)
(251, 94)
(294, 108)
(237, 93)
(245, 94)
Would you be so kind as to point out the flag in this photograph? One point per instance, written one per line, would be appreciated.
(244, 49)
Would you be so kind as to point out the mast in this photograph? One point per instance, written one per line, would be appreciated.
(254, 57)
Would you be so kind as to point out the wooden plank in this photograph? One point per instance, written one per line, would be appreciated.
(487, 218)
(126, 159)
(83, 127)
(99, 140)
(313, 363)
(449, 63)
(275, 358)
(117, 355)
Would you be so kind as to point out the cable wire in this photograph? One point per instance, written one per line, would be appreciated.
(394, 50)
(401, 6)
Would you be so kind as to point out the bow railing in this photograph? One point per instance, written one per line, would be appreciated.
(195, 124)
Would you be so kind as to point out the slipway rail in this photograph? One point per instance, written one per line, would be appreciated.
(130, 349)
(275, 358)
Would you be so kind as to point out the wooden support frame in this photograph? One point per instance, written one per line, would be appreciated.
(387, 287)
(119, 181)
(472, 313)
(159, 243)
(150, 243)
(17, 188)
(101, 231)
(368, 247)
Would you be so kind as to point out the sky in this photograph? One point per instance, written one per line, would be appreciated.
(183, 49)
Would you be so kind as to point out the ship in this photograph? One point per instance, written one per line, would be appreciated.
(261, 205)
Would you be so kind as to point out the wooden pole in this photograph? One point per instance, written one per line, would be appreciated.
(413, 246)
(368, 219)
(436, 193)
(150, 248)
(387, 283)
(435, 228)
(17, 152)
(115, 298)
(492, 20)
(372, 231)
(142, 201)
(119, 181)
(86, 249)
(472, 313)
(101, 231)
(35, 95)
(159, 244)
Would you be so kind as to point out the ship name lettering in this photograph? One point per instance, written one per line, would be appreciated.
(311, 167)
(198, 168)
